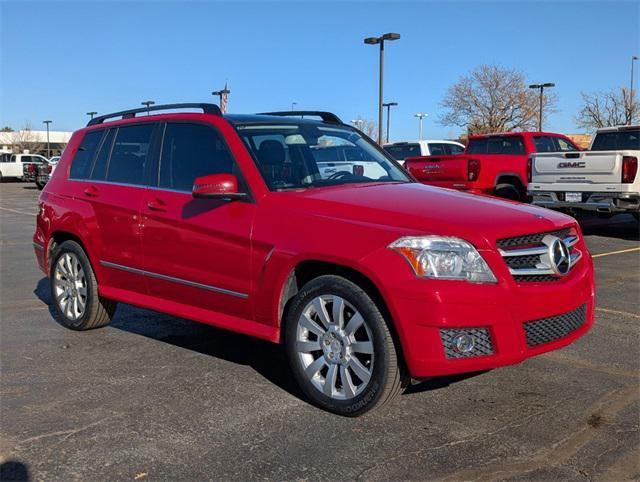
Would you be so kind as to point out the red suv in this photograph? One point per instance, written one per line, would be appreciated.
(368, 277)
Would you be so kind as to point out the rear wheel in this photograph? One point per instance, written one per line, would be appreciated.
(74, 290)
(508, 191)
(40, 186)
(340, 348)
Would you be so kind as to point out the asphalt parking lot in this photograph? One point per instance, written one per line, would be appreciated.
(153, 397)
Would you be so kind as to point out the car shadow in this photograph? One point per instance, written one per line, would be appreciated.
(266, 358)
(620, 226)
(29, 188)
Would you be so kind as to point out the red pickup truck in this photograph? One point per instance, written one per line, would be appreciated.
(495, 164)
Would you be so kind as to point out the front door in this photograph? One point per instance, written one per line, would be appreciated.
(197, 251)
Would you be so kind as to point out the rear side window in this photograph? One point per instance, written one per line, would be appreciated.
(129, 154)
(497, 145)
(455, 149)
(99, 172)
(190, 151)
(437, 149)
(81, 164)
(617, 140)
(401, 151)
(564, 145)
(544, 144)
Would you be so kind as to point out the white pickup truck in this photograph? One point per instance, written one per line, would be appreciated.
(12, 165)
(603, 179)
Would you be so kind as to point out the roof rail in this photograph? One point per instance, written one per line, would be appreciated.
(128, 114)
(325, 116)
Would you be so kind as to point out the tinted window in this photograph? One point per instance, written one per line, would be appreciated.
(544, 144)
(437, 149)
(455, 148)
(99, 172)
(190, 151)
(613, 141)
(129, 154)
(401, 151)
(564, 145)
(81, 164)
(497, 145)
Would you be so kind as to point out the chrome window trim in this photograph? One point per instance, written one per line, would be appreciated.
(164, 277)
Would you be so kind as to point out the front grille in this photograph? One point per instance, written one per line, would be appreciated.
(482, 345)
(528, 257)
(530, 239)
(554, 327)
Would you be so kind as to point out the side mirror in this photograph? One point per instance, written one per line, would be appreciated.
(217, 186)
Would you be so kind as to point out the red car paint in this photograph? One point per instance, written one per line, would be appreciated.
(480, 173)
(251, 248)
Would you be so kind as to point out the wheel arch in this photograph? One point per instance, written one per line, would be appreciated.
(60, 236)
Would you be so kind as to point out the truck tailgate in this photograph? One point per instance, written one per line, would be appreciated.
(438, 168)
(595, 167)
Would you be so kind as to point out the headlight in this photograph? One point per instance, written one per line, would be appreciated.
(443, 257)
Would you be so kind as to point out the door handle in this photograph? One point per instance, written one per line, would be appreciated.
(157, 205)
(91, 191)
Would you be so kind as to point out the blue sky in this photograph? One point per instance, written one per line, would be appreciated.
(62, 59)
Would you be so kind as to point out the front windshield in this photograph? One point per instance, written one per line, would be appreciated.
(294, 156)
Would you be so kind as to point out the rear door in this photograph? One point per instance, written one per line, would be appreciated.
(113, 183)
(197, 251)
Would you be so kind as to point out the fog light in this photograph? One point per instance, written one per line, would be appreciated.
(463, 343)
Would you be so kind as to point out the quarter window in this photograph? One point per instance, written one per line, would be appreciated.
(544, 144)
(99, 171)
(564, 145)
(190, 151)
(81, 164)
(130, 153)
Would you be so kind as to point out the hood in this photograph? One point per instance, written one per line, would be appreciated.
(417, 209)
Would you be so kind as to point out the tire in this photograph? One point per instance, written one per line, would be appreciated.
(507, 191)
(368, 351)
(636, 216)
(40, 186)
(72, 279)
(0, 177)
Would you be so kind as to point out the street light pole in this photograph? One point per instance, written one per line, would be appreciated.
(91, 114)
(48, 145)
(388, 105)
(631, 104)
(420, 116)
(357, 123)
(373, 41)
(148, 103)
(541, 87)
(293, 105)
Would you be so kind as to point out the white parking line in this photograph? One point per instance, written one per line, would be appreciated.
(17, 212)
(630, 250)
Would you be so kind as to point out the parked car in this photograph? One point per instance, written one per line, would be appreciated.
(603, 179)
(367, 282)
(19, 166)
(432, 147)
(45, 171)
(493, 164)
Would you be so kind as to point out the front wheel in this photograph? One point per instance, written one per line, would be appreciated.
(340, 348)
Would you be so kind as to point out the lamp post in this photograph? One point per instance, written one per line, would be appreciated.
(631, 104)
(148, 103)
(420, 116)
(541, 87)
(293, 105)
(373, 41)
(48, 145)
(358, 123)
(92, 113)
(389, 105)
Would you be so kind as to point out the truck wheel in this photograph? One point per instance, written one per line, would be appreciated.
(40, 186)
(74, 290)
(636, 216)
(340, 349)
(507, 191)
(0, 177)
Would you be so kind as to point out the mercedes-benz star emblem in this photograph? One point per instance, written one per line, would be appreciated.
(559, 257)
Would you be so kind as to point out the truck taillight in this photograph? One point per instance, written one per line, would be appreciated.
(473, 169)
(358, 170)
(529, 169)
(31, 168)
(49, 168)
(629, 169)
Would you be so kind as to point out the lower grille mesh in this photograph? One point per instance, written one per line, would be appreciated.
(554, 327)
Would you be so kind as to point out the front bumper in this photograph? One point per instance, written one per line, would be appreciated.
(503, 313)
(603, 202)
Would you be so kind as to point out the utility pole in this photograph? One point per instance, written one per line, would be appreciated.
(420, 116)
(541, 87)
(224, 98)
(388, 105)
(148, 103)
(631, 98)
(380, 41)
(48, 145)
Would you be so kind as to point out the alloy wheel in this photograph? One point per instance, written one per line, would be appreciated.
(70, 286)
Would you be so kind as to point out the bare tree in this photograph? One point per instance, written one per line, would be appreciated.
(27, 140)
(6, 129)
(605, 109)
(370, 128)
(494, 99)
